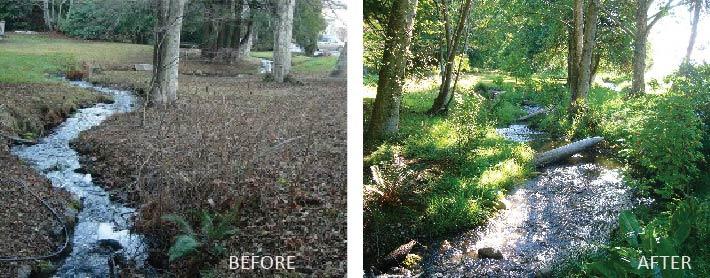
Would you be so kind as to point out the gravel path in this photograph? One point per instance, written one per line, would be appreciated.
(559, 215)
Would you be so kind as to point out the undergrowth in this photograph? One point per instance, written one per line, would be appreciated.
(663, 140)
(440, 174)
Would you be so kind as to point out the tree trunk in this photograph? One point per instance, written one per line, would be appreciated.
(248, 40)
(237, 32)
(443, 99)
(694, 29)
(638, 82)
(533, 114)
(209, 30)
(596, 59)
(166, 54)
(341, 68)
(576, 44)
(282, 39)
(565, 151)
(385, 115)
(585, 65)
(46, 14)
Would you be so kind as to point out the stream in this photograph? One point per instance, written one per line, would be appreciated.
(102, 233)
(568, 210)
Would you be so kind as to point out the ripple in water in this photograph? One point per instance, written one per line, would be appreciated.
(102, 226)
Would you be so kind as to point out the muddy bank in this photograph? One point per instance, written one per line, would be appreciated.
(30, 110)
(275, 151)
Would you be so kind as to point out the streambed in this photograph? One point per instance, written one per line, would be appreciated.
(102, 234)
(566, 211)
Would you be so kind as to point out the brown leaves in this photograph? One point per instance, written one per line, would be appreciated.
(228, 144)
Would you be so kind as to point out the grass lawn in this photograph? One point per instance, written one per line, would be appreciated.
(30, 58)
(304, 64)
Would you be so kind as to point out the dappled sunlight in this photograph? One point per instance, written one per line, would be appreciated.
(486, 152)
(503, 174)
(554, 218)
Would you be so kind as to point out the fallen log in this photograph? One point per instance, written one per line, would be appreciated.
(533, 114)
(397, 256)
(565, 151)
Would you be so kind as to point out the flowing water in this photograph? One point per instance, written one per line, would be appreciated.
(102, 231)
(567, 210)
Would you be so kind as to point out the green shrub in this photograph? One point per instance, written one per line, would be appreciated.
(468, 116)
(110, 20)
(693, 81)
(660, 137)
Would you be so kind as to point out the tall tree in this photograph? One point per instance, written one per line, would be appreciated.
(441, 102)
(282, 39)
(581, 58)
(227, 29)
(166, 52)
(308, 24)
(585, 62)
(47, 13)
(696, 7)
(398, 36)
(644, 23)
(575, 47)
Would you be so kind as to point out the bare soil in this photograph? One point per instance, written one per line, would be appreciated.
(277, 151)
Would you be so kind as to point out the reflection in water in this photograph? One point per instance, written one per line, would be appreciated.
(102, 230)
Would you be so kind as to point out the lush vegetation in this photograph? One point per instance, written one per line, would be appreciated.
(546, 54)
(663, 140)
(442, 174)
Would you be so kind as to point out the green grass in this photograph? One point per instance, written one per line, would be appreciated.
(29, 68)
(304, 64)
(32, 58)
(447, 187)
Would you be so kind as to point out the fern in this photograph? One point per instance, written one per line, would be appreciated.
(183, 246)
(213, 228)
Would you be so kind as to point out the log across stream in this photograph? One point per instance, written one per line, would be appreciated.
(569, 209)
(102, 233)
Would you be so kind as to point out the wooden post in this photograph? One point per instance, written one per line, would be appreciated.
(2, 28)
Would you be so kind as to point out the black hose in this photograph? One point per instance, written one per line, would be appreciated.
(56, 253)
